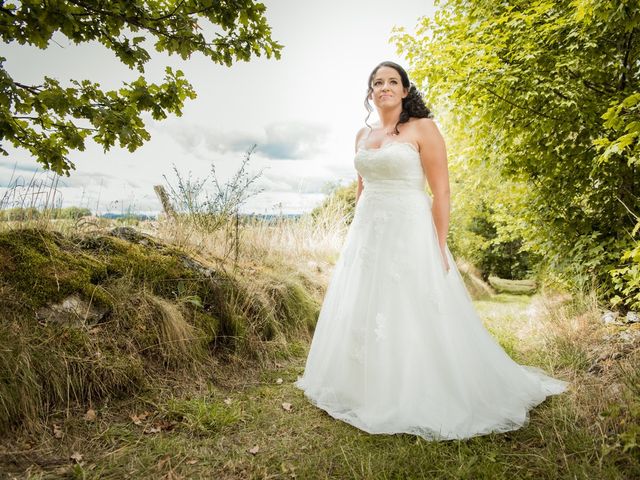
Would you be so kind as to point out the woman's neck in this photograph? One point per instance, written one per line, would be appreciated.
(389, 118)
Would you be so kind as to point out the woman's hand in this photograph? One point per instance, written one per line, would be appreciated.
(445, 260)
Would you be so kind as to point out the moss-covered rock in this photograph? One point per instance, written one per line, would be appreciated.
(149, 308)
(45, 267)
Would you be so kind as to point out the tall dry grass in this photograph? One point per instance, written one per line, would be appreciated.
(293, 240)
(32, 199)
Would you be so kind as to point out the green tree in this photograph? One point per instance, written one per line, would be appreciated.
(49, 120)
(547, 91)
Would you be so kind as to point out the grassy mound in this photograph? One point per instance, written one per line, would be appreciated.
(85, 318)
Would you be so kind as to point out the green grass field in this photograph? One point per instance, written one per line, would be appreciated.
(247, 420)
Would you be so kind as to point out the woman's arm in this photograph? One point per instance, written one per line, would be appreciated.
(360, 188)
(433, 154)
(360, 185)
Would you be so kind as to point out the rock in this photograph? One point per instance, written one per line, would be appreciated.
(615, 389)
(632, 317)
(72, 310)
(194, 265)
(127, 233)
(626, 337)
(609, 317)
(132, 235)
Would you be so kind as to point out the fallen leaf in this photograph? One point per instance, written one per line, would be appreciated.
(57, 431)
(279, 381)
(159, 426)
(227, 401)
(287, 406)
(138, 419)
(76, 457)
(162, 461)
(168, 425)
(193, 461)
(254, 450)
(90, 416)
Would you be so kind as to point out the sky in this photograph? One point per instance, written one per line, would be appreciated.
(302, 111)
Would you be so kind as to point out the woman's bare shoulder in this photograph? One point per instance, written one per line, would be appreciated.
(426, 129)
(360, 135)
(423, 123)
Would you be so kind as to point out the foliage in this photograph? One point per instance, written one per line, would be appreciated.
(341, 198)
(547, 93)
(51, 119)
(495, 255)
(626, 278)
(32, 213)
(483, 230)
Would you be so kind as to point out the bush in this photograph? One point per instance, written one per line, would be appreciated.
(626, 278)
(341, 200)
(479, 241)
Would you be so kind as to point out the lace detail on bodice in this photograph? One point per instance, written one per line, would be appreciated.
(392, 166)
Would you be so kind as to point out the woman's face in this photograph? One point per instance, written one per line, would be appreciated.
(387, 88)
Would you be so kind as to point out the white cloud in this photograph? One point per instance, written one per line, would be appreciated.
(286, 140)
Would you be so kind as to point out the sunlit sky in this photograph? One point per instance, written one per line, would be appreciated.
(302, 111)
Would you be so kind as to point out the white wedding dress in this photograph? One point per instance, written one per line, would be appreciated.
(398, 346)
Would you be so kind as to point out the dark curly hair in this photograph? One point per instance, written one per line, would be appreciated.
(412, 105)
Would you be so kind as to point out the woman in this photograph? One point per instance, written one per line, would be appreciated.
(398, 347)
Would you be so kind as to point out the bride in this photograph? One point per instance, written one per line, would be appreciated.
(399, 347)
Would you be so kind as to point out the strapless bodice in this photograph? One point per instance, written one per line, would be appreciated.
(395, 165)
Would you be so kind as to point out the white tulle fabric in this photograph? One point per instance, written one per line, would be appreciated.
(399, 347)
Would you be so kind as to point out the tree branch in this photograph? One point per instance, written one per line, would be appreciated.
(134, 20)
(168, 15)
(7, 11)
(30, 88)
(625, 62)
(515, 105)
(588, 84)
(57, 125)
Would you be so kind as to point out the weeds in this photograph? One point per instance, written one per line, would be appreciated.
(31, 202)
(211, 206)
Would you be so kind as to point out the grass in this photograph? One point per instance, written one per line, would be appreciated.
(208, 426)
